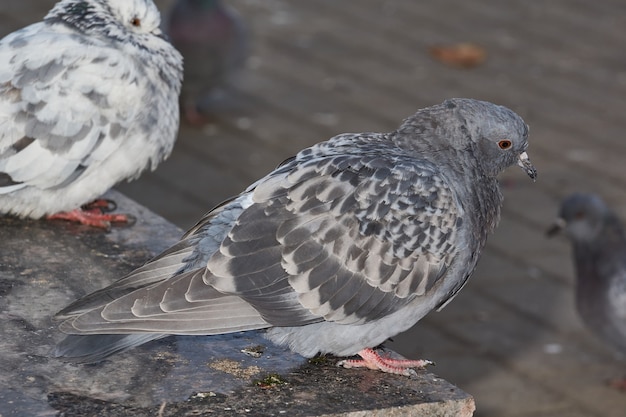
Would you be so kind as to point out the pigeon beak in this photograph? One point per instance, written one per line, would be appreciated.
(524, 162)
(558, 225)
(159, 33)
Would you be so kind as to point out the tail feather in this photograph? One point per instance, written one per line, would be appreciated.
(161, 268)
(94, 348)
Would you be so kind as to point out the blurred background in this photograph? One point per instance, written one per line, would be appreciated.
(297, 72)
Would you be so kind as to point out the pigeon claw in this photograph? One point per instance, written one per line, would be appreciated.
(372, 360)
(94, 214)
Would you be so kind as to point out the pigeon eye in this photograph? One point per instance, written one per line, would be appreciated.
(135, 21)
(505, 144)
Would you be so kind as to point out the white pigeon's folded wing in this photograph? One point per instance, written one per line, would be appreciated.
(60, 112)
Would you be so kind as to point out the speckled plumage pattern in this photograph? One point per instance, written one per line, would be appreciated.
(339, 248)
(599, 244)
(88, 97)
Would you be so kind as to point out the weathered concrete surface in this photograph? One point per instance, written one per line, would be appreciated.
(45, 265)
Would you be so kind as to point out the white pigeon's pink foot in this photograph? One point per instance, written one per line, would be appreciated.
(94, 214)
(373, 360)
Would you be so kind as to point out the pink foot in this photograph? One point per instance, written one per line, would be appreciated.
(92, 214)
(373, 360)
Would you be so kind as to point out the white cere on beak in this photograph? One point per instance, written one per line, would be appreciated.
(524, 162)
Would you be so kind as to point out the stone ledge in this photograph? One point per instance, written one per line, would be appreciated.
(46, 265)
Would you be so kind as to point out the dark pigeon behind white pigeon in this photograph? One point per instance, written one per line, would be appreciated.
(213, 40)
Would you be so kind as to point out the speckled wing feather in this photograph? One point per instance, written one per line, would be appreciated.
(358, 233)
(59, 111)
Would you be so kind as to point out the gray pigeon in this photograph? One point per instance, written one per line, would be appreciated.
(212, 38)
(88, 97)
(339, 248)
(599, 243)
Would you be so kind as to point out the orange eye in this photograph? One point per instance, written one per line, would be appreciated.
(505, 144)
(135, 21)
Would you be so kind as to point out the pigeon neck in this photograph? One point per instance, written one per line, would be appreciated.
(604, 252)
(478, 190)
(608, 234)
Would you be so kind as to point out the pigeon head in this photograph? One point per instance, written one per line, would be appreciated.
(124, 20)
(132, 25)
(582, 217)
(499, 135)
(485, 135)
(137, 16)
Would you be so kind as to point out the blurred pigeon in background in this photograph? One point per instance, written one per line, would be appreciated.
(599, 244)
(341, 247)
(88, 97)
(212, 39)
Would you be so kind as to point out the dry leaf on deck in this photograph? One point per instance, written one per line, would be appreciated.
(462, 55)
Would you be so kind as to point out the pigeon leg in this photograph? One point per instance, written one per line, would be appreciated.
(93, 214)
(102, 204)
(372, 360)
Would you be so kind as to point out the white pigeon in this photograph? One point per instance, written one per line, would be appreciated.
(345, 245)
(88, 98)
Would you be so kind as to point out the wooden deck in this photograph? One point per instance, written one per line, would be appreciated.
(323, 67)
